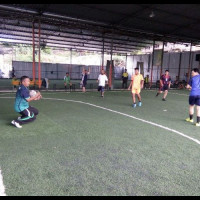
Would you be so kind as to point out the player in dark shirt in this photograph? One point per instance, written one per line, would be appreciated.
(165, 82)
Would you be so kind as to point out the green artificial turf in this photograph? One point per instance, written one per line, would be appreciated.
(75, 149)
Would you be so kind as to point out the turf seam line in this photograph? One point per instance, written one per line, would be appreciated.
(2, 187)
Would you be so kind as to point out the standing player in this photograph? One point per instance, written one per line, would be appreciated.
(67, 80)
(165, 82)
(102, 80)
(194, 98)
(124, 79)
(28, 113)
(85, 74)
(137, 83)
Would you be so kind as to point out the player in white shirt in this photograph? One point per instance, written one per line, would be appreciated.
(102, 80)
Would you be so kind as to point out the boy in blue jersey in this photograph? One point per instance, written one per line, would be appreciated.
(194, 98)
(28, 113)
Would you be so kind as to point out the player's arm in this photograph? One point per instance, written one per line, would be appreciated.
(188, 86)
(161, 83)
(142, 84)
(106, 80)
(89, 71)
(36, 97)
(130, 85)
(169, 84)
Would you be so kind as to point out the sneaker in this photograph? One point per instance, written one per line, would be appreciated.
(163, 99)
(140, 103)
(157, 94)
(197, 124)
(189, 120)
(19, 118)
(134, 105)
(16, 124)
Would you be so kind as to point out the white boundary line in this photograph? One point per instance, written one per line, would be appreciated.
(124, 114)
(2, 187)
(142, 120)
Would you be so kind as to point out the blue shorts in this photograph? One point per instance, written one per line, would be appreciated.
(101, 88)
(194, 100)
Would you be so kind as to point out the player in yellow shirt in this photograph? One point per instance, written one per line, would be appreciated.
(137, 83)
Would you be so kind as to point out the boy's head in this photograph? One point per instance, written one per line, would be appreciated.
(67, 74)
(136, 70)
(167, 72)
(195, 72)
(102, 72)
(25, 80)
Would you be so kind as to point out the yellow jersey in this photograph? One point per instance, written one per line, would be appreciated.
(137, 80)
(125, 74)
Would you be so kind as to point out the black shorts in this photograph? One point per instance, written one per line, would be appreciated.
(194, 100)
(84, 84)
(101, 88)
(165, 87)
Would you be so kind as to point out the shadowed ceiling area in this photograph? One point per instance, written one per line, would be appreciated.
(120, 28)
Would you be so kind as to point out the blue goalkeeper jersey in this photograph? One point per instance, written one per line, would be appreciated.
(21, 96)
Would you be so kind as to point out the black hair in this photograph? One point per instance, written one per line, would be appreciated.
(166, 70)
(195, 70)
(23, 78)
(137, 68)
(67, 72)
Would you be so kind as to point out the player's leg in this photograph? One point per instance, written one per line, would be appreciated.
(28, 116)
(126, 86)
(102, 91)
(139, 98)
(83, 87)
(134, 100)
(191, 109)
(165, 95)
(197, 103)
(159, 91)
(34, 110)
(198, 116)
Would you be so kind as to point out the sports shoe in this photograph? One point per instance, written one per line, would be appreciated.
(157, 94)
(140, 103)
(134, 105)
(163, 99)
(197, 124)
(19, 118)
(189, 120)
(16, 124)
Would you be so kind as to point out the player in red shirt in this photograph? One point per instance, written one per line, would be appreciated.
(165, 82)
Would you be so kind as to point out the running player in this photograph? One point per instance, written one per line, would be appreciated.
(137, 83)
(194, 98)
(28, 113)
(165, 82)
(102, 80)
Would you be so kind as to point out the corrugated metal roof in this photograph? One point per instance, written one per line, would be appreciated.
(125, 27)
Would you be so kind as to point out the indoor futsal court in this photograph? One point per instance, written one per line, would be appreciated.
(95, 100)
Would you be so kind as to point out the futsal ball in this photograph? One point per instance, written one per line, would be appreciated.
(32, 93)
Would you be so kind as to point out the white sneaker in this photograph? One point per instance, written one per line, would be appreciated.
(16, 124)
(19, 118)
